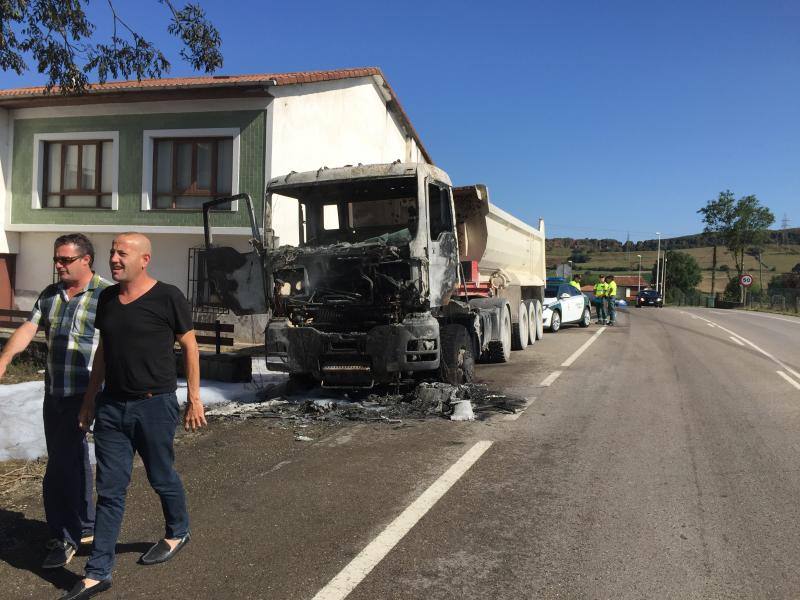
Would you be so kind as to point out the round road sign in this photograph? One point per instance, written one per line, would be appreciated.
(746, 280)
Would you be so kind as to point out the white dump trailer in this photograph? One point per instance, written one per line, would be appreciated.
(503, 257)
(397, 276)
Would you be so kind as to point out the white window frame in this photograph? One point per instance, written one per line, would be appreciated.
(148, 137)
(39, 140)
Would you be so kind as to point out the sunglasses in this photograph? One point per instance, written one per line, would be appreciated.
(67, 260)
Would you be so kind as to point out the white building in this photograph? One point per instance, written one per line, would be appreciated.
(143, 156)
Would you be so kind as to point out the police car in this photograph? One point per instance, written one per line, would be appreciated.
(564, 304)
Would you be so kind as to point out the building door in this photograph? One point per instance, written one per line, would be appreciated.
(7, 262)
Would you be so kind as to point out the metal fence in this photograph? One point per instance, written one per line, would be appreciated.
(785, 300)
(779, 299)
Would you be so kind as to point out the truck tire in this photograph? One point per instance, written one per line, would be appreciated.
(555, 322)
(500, 350)
(539, 323)
(456, 363)
(532, 316)
(519, 331)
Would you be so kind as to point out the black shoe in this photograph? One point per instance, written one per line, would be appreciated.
(60, 554)
(161, 551)
(79, 591)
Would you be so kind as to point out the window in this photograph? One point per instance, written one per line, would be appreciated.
(189, 171)
(441, 219)
(77, 174)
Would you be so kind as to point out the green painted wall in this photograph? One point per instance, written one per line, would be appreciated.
(130, 127)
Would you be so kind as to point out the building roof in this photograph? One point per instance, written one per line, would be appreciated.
(205, 86)
(631, 280)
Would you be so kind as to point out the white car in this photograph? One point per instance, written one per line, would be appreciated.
(564, 303)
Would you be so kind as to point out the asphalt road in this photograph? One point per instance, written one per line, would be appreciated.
(661, 462)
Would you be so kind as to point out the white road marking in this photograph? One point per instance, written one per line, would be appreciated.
(737, 340)
(789, 379)
(710, 324)
(518, 414)
(583, 348)
(793, 372)
(548, 381)
(777, 361)
(757, 314)
(354, 573)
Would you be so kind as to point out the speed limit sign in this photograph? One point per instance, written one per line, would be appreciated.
(746, 280)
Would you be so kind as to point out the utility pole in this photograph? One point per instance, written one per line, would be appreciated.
(628, 248)
(664, 280)
(640, 274)
(658, 258)
(784, 227)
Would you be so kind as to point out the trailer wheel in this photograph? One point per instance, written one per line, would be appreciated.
(519, 331)
(532, 317)
(539, 323)
(456, 363)
(500, 350)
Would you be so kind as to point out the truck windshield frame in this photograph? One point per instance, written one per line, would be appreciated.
(357, 211)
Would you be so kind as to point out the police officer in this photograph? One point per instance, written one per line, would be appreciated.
(611, 295)
(576, 282)
(599, 299)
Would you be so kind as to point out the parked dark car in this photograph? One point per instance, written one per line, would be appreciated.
(649, 298)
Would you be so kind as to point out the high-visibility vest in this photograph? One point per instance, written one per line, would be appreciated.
(611, 289)
(575, 284)
(600, 289)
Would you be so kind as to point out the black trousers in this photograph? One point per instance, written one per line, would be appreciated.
(67, 486)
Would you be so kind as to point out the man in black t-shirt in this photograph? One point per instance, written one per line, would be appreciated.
(139, 321)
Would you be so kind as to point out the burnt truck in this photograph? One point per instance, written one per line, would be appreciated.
(397, 276)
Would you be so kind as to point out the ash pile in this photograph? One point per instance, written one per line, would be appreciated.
(425, 401)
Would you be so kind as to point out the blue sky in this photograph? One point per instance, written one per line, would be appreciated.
(602, 117)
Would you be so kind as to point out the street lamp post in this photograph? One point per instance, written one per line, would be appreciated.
(658, 259)
(640, 273)
(664, 281)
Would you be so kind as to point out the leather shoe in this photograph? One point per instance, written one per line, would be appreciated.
(79, 591)
(161, 551)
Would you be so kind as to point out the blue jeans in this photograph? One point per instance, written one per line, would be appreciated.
(612, 310)
(67, 484)
(600, 309)
(122, 427)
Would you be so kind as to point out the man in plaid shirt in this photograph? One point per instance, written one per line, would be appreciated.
(66, 311)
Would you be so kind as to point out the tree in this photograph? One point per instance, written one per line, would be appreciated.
(747, 228)
(682, 271)
(717, 216)
(57, 36)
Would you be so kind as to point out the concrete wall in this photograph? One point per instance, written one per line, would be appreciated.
(329, 124)
(130, 129)
(9, 241)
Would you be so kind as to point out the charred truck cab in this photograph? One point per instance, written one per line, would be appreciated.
(376, 291)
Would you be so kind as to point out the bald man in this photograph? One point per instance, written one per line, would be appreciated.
(139, 320)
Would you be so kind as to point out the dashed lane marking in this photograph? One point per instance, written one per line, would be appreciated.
(789, 379)
(756, 314)
(582, 349)
(777, 361)
(548, 381)
(518, 414)
(354, 573)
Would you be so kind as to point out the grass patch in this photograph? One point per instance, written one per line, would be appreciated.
(20, 479)
(24, 369)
